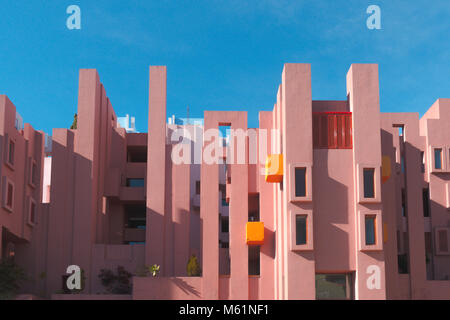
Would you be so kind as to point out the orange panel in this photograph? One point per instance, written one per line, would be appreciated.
(274, 168)
(254, 233)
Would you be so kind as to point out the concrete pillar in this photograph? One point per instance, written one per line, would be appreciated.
(266, 199)
(363, 92)
(156, 163)
(239, 213)
(209, 220)
(297, 147)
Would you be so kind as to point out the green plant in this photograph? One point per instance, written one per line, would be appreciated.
(154, 270)
(74, 123)
(193, 267)
(116, 283)
(145, 271)
(11, 277)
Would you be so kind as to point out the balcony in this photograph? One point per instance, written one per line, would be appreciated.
(274, 168)
(254, 233)
(134, 235)
(132, 194)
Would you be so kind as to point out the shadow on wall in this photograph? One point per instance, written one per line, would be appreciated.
(185, 287)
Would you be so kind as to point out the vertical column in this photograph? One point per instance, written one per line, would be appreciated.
(362, 87)
(239, 211)
(181, 216)
(297, 147)
(414, 184)
(156, 163)
(86, 167)
(209, 218)
(266, 199)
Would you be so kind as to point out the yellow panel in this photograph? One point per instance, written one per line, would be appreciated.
(254, 233)
(274, 168)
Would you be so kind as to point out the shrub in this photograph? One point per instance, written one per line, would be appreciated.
(193, 267)
(116, 283)
(11, 276)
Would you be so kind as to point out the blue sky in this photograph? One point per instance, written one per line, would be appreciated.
(221, 55)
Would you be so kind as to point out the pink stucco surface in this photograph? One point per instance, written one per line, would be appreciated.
(107, 198)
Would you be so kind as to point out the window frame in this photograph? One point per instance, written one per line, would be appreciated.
(441, 167)
(8, 153)
(437, 245)
(376, 183)
(30, 221)
(308, 182)
(6, 182)
(31, 182)
(373, 218)
(309, 245)
(378, 232)
(349, 284)
(444, 159)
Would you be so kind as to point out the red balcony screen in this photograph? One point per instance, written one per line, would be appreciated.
(332, 130)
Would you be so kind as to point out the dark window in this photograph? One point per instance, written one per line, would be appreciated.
(300, 230)
(34, 178)
(438, 158)
(253, 260)
(137, 154)
(403, 263)
(225, 224)
(370, 230)
(11, 152)
(422, 156)
(334, 286)
(135, 183)
(32, 212)
(300, 182)
(135, 215)
(426, 202)
(197, 187)
(223, 190)
(9, 197)
(369, 184)
(404, 211)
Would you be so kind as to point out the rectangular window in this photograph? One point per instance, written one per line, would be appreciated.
(300, 230)
(225, 224)
(253, 261)
(334, 286)
(34, 173)
(369, 183)
(370, 230)
(11, 152)
(32, 216)
(402, 260)
(426, 202)
(300, 182)
(197, 187)
(422, 166)
(33, 179)
(135, 183)
(9, 196)
(404, 211)
(438, 159)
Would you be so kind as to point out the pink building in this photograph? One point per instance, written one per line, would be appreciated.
(325, 200)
